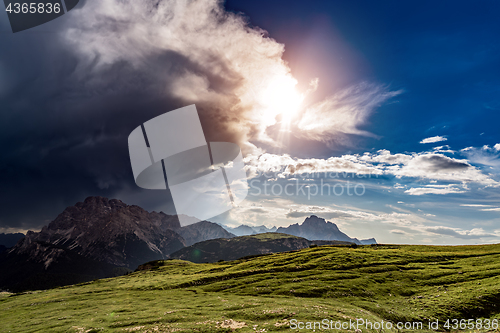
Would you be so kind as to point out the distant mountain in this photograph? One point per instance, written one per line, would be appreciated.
(315, 227)
(9, 240)
(110, 231)
(201, 231)
(242, 246)
(312, 228)
(2, 248)
(98, 238)
(368, 241)
(244, 230)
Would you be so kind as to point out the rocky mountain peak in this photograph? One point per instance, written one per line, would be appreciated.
(97, 238)
(313, 220)
(110, 231)
(318, 222)
(124, 235)
(317, 228)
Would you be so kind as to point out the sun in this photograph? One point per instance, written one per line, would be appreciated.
(281, 97)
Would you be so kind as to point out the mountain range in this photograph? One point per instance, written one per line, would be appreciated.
(97, 238)
(102, 237)
(245, 230)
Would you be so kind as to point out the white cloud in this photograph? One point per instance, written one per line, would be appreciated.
(323, 212)
(429, 166)
(285, 164)
(484, 155)
(398, 232)
(444, 149)
(384, 156)
(433, 166)
(343, 113)
(460, 233)
(204, 55)
(197, 52)
(434, 139)
(435, 189)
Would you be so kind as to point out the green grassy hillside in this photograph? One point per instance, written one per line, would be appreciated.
(264, 294)
(238, 247)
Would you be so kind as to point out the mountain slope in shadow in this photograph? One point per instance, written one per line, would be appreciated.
(231, 249)
(94, 239)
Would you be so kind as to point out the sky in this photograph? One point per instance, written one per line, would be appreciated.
(378, 116)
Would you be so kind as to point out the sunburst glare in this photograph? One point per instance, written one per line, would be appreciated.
(281, 97)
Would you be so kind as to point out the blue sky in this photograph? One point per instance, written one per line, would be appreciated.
(442, 59)
(443, 55)
(405, 95)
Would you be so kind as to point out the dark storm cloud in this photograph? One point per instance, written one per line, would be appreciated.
(439, 162)
(73, 89)
(64, 134)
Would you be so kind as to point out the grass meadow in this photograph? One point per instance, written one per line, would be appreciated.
(389, 283)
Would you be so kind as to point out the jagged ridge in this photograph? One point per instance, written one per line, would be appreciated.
(315, 227)
(105, 235)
